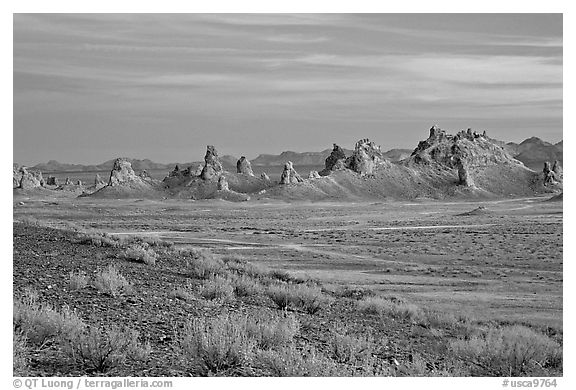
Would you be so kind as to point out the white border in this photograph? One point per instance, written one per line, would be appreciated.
(247, 6)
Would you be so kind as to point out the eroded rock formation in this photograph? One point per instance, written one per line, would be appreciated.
(463, 151)
(244, 167)
(478, 161)
(52, 181)
(212, 165)
(188, 172)
(224, 192)
(98, 181)
(314, 175)
(198, 170)
(464, 174)
(550, 176)
(264, 176)
(335, 161)
(30, 179)
(557, 169)
(289, 175)
(175, 172)
(122, 172)
(223, 184)
(16, 175)
(366, 157)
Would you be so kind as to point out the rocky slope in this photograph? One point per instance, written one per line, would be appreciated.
(464, 165)
(124, 182)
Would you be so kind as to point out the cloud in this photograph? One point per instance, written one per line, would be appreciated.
(307, 71)
(281, 19)
(296, 39)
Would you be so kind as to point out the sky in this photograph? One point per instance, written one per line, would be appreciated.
(92, 87)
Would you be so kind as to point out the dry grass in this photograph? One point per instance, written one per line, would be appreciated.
(356, 293)
(310, 299)
(246, 286)
(140, 254)
(202, 264)
(99, 239)
(156, 242)
(395, 308)
(99, 350)
(271, 332)
(41, 323)
(110, 281)
(243, 267)
(96, 350)
(290, 362)
(510, 351)
(352, 350)
(229, 344)
(217, 288)
(20, 354)
(215, 346)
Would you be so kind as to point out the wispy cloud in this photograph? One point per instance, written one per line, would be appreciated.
(296, 39)
(299, 71)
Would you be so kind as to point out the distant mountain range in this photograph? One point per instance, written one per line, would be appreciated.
(229, 162)
(304, 158)
(532, 152)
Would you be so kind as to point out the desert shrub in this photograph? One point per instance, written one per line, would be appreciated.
(290, 362)
(216, 345)
(355, 292)
(310, 299)
(99, 350)
(20, 354)
(281, 295)
(157, 242)
(395, 308)
(99, 239)
(140, 254)
(40, 323)
(78, 280)
(245, 286)
(351, 350)
(271, 331)
(217, 288)
(29, 221)
(203, 264)
(440, 319)
(110, 281)
(283, 276)
(243, 267)
(510, 351)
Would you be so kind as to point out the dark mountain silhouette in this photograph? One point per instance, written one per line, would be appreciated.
(397, 154)
(138, 165)
(533, 152)
(304, 158)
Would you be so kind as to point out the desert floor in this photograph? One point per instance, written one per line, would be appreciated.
(502, 263)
